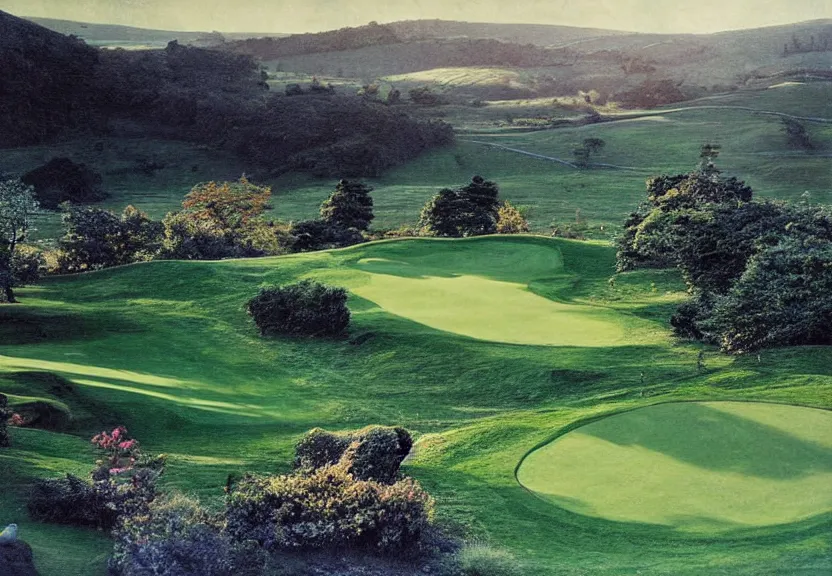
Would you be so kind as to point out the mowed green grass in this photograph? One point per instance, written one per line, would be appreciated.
(754, 149)
(166, 349)
(693, 466)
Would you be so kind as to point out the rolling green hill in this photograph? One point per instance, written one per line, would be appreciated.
(119, 346)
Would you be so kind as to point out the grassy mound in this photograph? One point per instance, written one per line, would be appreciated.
(166, 349)
(694, 466)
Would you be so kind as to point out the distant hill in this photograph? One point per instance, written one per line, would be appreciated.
(111, 35)
(557, 60)
(60, 87)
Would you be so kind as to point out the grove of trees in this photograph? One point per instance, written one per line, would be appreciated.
(759, 272)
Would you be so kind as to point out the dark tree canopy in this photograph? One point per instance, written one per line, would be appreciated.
(759, 272)
(62, 180)
(349, 206)
(472, 210)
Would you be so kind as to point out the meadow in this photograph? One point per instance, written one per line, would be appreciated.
(167, 349)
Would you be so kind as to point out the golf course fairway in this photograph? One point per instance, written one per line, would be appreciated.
(693, 466)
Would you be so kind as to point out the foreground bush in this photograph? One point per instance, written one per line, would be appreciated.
(328, 508)
(177, 537)
(122, 485)
(71, 500)
(482, 560)
(306, 308)
(373, 453)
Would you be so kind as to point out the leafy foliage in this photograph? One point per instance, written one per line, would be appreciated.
(373, 453)
(62, 180)
(472, 210)
(757, 270)
(511, 220)
(95, 238)
(318, 235)
(584, 152)
(781, 299)
(177, 536)
(350, 206)
(306, 308)
(17, 209)
(123, 485)
(328, 508)
(797, 136)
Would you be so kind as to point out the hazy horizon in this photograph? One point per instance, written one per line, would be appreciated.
(705, 16)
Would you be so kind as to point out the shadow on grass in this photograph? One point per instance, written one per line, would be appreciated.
(20, 324)
(715, 440)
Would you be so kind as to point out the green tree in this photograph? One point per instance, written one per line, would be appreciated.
(17, 208)
(468, 211)
(584, 152)
(349, 206)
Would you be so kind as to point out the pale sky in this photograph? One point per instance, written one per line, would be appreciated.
(294, 16)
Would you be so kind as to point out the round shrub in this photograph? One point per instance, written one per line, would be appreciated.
(62, 180)
(372, 453)
(482, 560)
(306, 308)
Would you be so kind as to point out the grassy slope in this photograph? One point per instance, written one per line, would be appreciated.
(166, 349)
(695, 466)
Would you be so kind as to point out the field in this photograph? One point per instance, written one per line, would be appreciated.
(166, 349)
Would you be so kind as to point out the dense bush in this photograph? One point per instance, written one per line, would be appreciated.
(759, 272)
(328, 508)
(95, 238)
(372, 453)
(307, 308)
(310, 235)
(510, 220)
(122, 485)
(483, 560)
(468, 211)
(70, 500)
(781, 299)
(177, 537)
(5, 414)
(62, 180)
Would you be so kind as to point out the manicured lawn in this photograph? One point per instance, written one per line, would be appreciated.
(167, 349)
(699, 466)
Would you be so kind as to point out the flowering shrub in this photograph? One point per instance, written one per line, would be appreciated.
(123, 485)
(17, 420)
(328, 508)
(372, 453)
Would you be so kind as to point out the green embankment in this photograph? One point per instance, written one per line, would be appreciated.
(167, 349)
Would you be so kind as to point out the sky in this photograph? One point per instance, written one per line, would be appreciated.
(293, 16)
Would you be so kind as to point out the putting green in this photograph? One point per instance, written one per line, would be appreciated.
(485, 295)
(694, 466)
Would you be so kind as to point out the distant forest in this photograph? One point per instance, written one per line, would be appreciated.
(56, 86)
